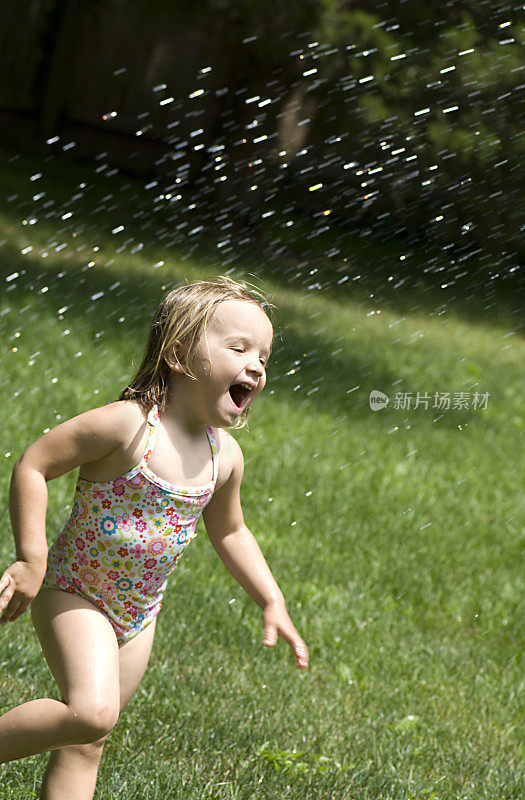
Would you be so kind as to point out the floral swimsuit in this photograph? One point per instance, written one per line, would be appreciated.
(124, 537)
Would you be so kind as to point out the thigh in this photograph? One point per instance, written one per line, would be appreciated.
(133, 661)
(79, 646)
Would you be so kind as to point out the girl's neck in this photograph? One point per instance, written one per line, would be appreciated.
(181, 417)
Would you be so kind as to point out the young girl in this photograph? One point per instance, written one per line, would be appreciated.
(150, 464)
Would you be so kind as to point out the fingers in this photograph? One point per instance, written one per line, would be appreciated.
(14, 609)
(19, 585)
(285, 628)
(12, 612)
(301, 653)
(6, 605)
(10, 606)
(298, 646)
(5, 580)
(270, 635)
(8, 589)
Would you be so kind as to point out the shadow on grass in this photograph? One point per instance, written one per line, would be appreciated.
(375, 273)
(313, 370)
(372, 276)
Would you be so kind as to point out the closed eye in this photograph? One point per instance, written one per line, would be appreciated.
(238, 349)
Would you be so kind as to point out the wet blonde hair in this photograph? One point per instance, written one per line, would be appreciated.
(178, 326)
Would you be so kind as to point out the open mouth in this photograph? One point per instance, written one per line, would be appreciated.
(239, 393)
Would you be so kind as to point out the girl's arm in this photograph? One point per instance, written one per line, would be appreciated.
(238, 550)
(85, 438)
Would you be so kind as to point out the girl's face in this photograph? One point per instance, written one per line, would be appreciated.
(230, 365)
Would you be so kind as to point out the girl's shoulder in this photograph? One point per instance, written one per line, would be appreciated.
(128, 411)
(127, 416)
(119, 420)
(230, 455)
(227, 444)
(104, 434)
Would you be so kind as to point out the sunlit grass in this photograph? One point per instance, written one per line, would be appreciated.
(396, 537)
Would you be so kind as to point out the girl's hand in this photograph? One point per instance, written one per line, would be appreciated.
(19, 585)
(278, 623)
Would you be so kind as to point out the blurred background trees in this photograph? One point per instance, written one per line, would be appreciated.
(396, 118)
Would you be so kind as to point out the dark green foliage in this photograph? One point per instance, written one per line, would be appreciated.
(405, 114)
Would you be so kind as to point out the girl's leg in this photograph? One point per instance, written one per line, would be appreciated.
(81, 649)
(72, 771)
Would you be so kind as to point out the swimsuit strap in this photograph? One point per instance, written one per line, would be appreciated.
(214, 454)
(153, 421)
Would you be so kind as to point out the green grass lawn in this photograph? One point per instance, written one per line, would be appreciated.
(396, 536)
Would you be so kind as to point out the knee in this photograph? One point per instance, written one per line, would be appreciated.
(95, 720)
(89, 751)
(92, 750)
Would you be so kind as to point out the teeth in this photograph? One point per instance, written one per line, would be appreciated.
(247, 386)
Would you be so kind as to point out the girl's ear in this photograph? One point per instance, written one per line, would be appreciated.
(173, 362)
